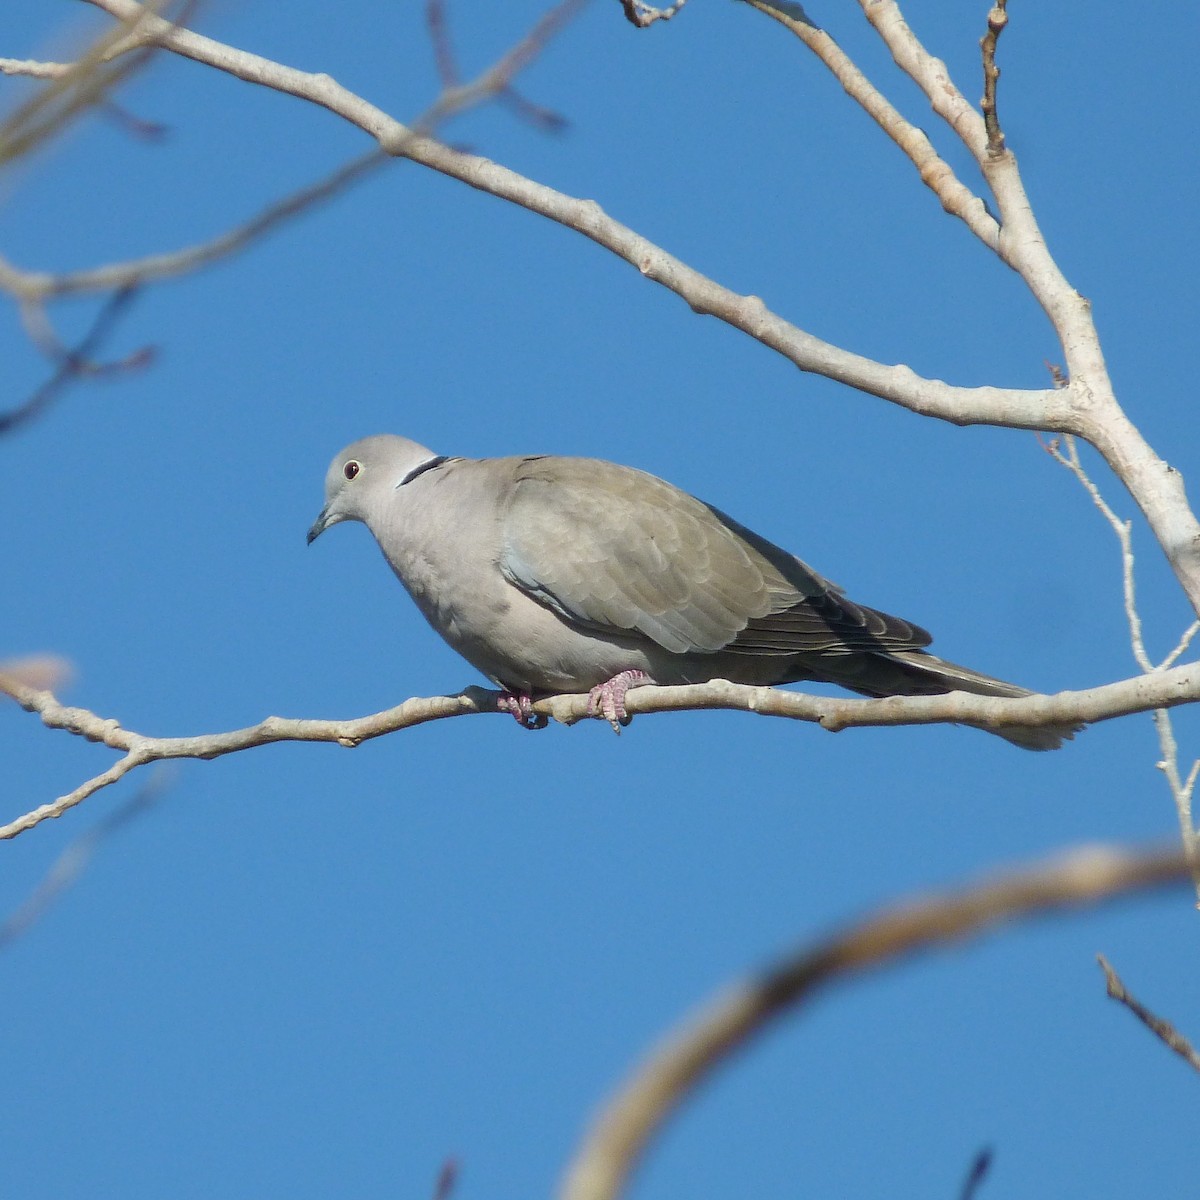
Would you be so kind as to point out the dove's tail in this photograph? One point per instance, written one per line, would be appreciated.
(917, 673)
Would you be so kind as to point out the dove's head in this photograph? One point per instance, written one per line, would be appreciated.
(364, 475)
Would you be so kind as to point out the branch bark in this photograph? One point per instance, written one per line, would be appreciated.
(1163, 1030)
(1087, 407)
(1163, 689)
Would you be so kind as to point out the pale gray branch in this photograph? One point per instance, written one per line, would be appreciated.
(1162, 689)
(1181, 646)
(1094, 411)
(1032, 409)
(956, 198)
(619, 1137)
(1086, 407)
(32, 69)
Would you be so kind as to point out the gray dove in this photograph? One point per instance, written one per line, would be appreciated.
(557, 574)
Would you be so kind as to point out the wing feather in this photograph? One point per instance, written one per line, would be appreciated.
(616, 550)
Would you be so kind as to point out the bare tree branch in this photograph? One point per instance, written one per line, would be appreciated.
(1095, 413)
(76, 363)
(1163, 1030)
(446, 1180)
(1180, 685)
(33, 289)
(619, 1137)
(956, 198)
(997, 19)
(32, 69)
(1033, 409)
(81, 86)
(1182, 789)
(977, 1174)
(1087, 406)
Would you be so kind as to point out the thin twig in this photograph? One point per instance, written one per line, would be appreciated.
(76, 363)
(1181, 789)
(997, 20)
(108, 62)
(537, 115)
(443, 51)
(138, 127)
(32, 289)
(1163, 1030)
(1086, 407)
(1184, 642)
(625, 1127)
(980, 1165)
(38, 286)
(446, 1180)
(1123, 530)
(498, 78)
(937, 174)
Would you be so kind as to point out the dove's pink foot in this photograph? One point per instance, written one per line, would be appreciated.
(608, 699)
(520, 704)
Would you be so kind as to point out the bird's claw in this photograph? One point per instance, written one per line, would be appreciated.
(607, 700)
(520, 704)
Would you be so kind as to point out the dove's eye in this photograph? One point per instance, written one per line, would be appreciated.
(352, 468)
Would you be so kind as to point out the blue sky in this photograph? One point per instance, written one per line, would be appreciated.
(309, 971)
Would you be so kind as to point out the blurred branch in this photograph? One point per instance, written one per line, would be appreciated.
(496, 82)
(76, 363)
(37, 286)
(620, 1135)
(32, 289)
(1163, 1030)
(73, 861)
(1028, 409)
(79, 86)
(1179, 685)
(977, 1174)
(446, 1180)
(42, 672)
(1182, 789)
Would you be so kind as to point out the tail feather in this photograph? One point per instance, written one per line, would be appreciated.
(918, 673)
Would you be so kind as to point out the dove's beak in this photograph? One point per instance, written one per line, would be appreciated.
(319, 526)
